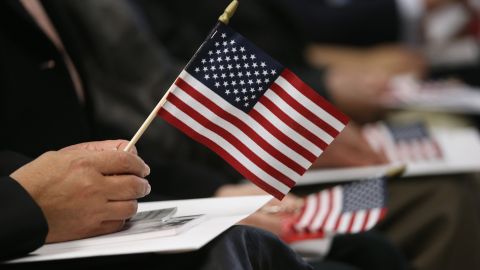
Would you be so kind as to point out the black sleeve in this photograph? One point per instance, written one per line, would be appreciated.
(23, 227)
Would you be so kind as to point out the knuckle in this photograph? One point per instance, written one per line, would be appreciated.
(135, 186)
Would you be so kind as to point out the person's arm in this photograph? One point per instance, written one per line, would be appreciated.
(23, 227)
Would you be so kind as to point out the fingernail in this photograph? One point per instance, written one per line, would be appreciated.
(149, 188)
(148, 170)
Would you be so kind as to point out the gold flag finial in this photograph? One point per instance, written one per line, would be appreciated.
(229, 11)
(396, 172)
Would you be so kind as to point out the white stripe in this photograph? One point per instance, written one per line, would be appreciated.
(232, 129)
(303, 121)
(310, 206)
(292, 134)
(388, 142)
(358, 222)
(344, 222)
(245, 118)
(336, 206)
(309, 104)
(234, 152)
(322, 211)
(372, 218)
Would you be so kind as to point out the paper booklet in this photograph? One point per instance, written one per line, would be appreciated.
(423, 151)
(407, 92)
(165, 227)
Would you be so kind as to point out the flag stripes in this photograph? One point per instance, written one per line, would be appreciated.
(273, 144)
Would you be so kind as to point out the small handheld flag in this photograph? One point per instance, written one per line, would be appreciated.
(343, 209)
(253, 112)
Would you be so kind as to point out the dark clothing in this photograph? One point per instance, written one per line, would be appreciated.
(239, 248)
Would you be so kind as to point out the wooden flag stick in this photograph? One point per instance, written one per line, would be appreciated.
(224, 18)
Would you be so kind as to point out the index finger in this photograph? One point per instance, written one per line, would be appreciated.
(120, 162)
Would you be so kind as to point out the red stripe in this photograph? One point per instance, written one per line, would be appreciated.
(242, 126)
(303, 111)
(313, 95)
(365, 221)
(317, 208)
(232, 139)
(221, 152)
(352, 219)
(382, 215)
(281, 136)
(292, 123)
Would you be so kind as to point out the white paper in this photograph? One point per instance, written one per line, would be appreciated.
(220, 214)
(461, 154)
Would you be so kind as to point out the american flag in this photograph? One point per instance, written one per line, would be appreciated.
(410, 142)
(255, 113)
(349, 208)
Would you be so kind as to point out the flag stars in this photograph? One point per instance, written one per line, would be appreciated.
(242, 49)
(246, 104)
(240, 74)
(238, 66)
(259, 81)
(225, 43)
(213, 68)
(217, 44)
(252, 90)
(232, 42)
(253, 96)
(265, 73)
(215, 76)
(244, 90)
(197, 69)
(234, 83)
(237, 99)
(228, 59)
(204, 61)
(223, 75)
(234, 49)
(256, 73)
(219, 59)
(207, 77)
(235, 91)
(245, 98)
(229, 67)
(242, 82)
(248, 74)
(235, 57)
(231, 75)
(225, 50)
(244, 57)
(210, 52)
(225, 83)
(273, 72)
(246, 65)
(253, 57)
(211, 60)
(250, 82)
(224, 35)
(262, 64)
(254, 64)
(218, 52)
(217, 84)
(227, 92)
(205, 69)
(267, 80)
(221, 67)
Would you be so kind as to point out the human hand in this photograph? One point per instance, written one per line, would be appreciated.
(102, 146)
(84, 193)
(350, 149)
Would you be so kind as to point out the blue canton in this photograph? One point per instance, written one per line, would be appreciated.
(409, 132)
(364, 195)
(234, 68)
